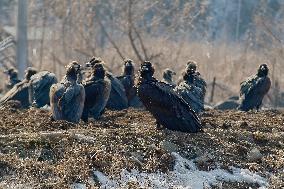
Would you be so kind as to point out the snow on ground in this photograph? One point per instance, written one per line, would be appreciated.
(185, 175)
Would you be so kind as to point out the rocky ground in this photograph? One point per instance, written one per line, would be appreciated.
(55, 154)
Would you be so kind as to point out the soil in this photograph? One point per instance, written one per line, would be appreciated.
(54, 154)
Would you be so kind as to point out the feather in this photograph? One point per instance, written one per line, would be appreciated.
(97, 94)
(192, 95)
(19, 92)
(67, 97)
(117, 99)
(168, 107)
(40, 84)
(252, 92)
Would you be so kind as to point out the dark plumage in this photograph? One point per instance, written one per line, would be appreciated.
(117, 99)
(229, 104)
(193, 77)
(20, 91)
(12, 78)
(67, 97)
(192, 95)
(97, 89)
(168, 76)
(192, 88)
(169, 109)
(127, 79)
(40, 84)
(254, 89)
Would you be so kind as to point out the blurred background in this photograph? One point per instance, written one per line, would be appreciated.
(228, 39)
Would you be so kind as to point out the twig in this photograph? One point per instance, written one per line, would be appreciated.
(110, 39)
(130, 36)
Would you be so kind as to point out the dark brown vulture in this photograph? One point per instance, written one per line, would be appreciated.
(67, 97)
(169, 109)
(254, 89)
(168, 76)
(12, 74)
(40, 84)
(117, 98)
(127, 79)
(20, 91)
(97, 89)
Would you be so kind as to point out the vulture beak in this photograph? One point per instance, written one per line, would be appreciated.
(262, 68)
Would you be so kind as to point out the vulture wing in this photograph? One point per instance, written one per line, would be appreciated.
(168, 107)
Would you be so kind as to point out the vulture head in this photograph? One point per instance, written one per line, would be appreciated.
(99, 70)
(262, 70)
(12, 73)
(146, 70)
(168, 74)
(191, 67)
(93, 61)
(128, 68)
(29, 72)
(73, 69)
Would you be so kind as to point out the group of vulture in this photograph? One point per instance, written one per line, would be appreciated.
(87, 90)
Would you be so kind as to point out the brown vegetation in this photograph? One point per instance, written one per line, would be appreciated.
(56, 154)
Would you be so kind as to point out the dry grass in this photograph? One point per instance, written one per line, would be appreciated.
(55, 154)
(229, 63)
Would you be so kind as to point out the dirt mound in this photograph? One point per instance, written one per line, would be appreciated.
(54, 154)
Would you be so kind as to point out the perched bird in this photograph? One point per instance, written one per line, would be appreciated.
(97, 90)
(20, 91)
(168, 108)
(127, 79)
(193, 77)
(117, 99)
(254, 89)
(192, 95)
(67, 97)
(12, 78)
(168, 76)
(39, 88)
(192, 88)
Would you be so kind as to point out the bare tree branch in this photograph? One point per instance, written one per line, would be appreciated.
(130, 36)
(111, 40)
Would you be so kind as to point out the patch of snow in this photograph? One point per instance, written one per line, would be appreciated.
(46, 107)
(185, 175)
